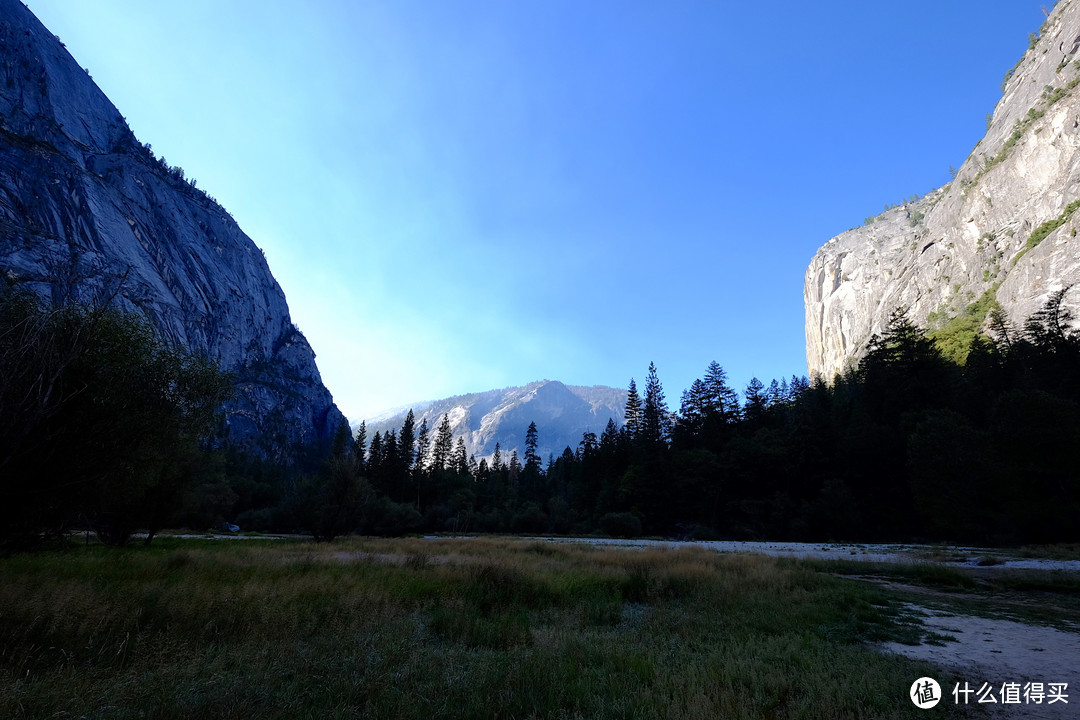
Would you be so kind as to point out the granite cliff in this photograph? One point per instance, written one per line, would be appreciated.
(562, 413)
(89, 213)
(1003, 230)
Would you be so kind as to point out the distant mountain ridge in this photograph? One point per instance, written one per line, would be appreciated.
(562, 413)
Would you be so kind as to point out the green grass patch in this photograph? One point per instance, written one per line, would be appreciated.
(957, 336)
(929, 574)
(1040, 233)
(415, 628)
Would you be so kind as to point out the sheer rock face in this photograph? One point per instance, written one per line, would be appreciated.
(937, 255)
(87, 212)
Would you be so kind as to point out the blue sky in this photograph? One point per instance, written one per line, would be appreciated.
(459, 195)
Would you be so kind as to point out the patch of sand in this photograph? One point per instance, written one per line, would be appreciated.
(1001, 651)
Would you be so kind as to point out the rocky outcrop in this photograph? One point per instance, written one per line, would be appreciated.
(1004, 229)
(562, 413)
(88, 213)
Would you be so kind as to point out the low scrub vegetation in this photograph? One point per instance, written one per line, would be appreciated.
(449, 628)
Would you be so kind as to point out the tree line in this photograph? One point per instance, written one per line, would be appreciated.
(104, 427)
(906, 444)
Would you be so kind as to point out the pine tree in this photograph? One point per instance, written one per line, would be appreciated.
(360, 448)
(903, 370)
(775, 395)
(496, 460)
(1002, 329)
(531, 474)
(694, 407)
(655, 416)
(589, 445)
(514, 469)
(460, 460)
(633, 410)
(444, 445)
(532, 460)
(1050, 328)
(389, 479)
(609, 439)
(423, 444)
(407, 442)
(755, 400)
(720, 399)
(375, 455)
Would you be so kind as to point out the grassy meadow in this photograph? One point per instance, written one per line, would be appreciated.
(452, 628)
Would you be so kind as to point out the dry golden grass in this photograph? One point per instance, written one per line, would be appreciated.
(456, 628)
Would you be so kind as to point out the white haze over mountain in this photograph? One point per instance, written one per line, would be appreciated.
(562, 413)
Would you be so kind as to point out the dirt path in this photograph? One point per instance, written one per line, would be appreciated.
(996, 652)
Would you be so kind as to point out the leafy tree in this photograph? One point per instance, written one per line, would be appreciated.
(953, 471)
(329, 504)
(100, 419)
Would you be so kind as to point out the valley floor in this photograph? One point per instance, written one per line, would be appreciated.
(491, 627)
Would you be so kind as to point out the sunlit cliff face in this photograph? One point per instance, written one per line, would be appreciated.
(1003, 229)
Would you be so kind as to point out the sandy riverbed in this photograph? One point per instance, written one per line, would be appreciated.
(996, 652)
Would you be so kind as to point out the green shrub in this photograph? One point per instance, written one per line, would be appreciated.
(621, 524)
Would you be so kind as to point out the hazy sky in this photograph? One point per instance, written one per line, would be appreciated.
(459, 195)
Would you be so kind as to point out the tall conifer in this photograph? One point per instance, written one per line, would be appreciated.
(407, 442)
(360, 448)
(633, 410)
(655, 416)
(444, 445)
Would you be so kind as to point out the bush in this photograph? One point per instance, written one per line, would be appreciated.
(621, 524)
(386, 517)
